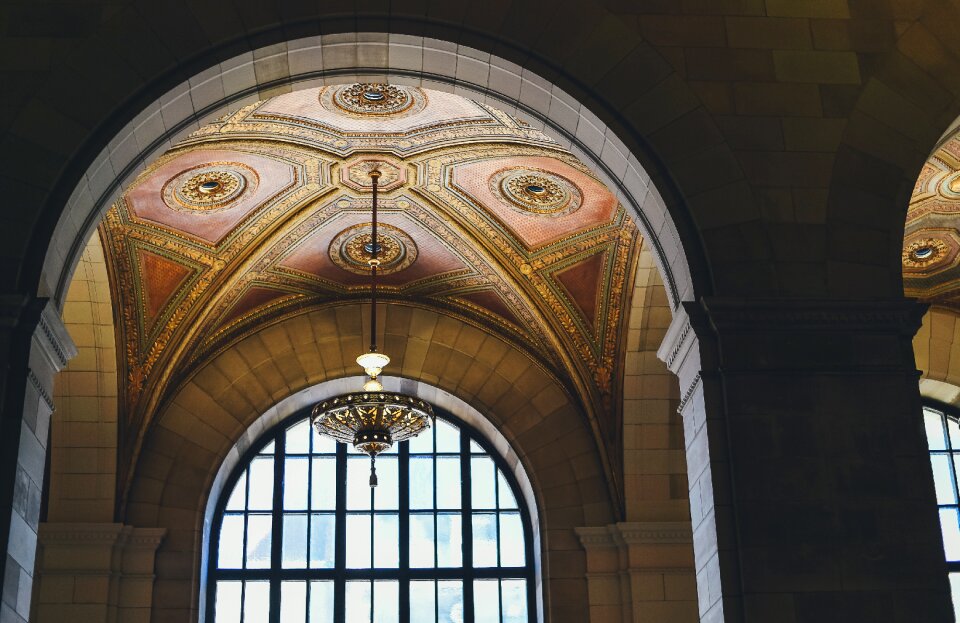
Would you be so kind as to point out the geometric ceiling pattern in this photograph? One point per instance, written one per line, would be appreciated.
(265, 214)
(931, 245)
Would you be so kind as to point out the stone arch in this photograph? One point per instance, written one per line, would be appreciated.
(224, 401)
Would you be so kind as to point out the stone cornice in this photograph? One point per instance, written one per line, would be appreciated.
(52, 336)
(678, 340)
(654, 532)
(802, 316)
(635, 533)
(60, 534)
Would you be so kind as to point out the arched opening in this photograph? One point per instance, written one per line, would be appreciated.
(182, 432)
(449, 487)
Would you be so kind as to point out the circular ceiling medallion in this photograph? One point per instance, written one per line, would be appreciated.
(350, 249)
(924, 252)
(209, 187)
(356, 174)
(537, 191)
(379, 100)
(950, 186)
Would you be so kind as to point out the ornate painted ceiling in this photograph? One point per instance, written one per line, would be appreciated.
(931, 245)
(264, 214)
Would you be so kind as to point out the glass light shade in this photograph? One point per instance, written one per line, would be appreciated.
(373, 363)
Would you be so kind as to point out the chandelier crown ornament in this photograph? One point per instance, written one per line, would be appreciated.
(373, 419)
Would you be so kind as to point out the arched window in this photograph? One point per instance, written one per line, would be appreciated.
(300, 537)
(943, 438)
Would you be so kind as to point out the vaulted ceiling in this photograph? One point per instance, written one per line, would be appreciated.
(931, 245)
(264, 214)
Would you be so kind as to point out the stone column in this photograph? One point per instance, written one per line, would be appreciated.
(96, 573)
(34, 346)
(640, 572)
(811, 493)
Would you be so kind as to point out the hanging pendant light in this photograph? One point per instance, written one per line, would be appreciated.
(373, 419)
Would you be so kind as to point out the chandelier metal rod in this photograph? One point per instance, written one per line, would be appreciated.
(374, 248)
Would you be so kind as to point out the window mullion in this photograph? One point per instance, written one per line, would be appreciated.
(276, 542)
(340, 535)
(466, 521)
(403, 482)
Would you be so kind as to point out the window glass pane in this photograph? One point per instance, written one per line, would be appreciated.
(295, 482)
(298, 438)
(358, 483)
(386, 495)
(486, 601)
(358, 601)
(358, 541)
(386, 541)
(422, 442)
(295, 542)
(386, 601)
(942, 479)
(239, 494)
(449, 540)
(256, 602)
(934, 425)
(421, 541)
(323, 444)
(230, 549)
(261, 484)
(423, 601)
(323, 487)
(322, 541)
(258, 541)
(421, 482)
(448, 482)
(951, 533)
(514, 600)
(450, 601)
(512, 552)
(483, 474)
(448, 437)
(953, 428)
(371, 532)
(293, 602)
(321, 602)
(504, 492)
(485, 540)
(268, 449)
(228, 601)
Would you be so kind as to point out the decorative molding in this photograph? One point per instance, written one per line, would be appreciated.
(644, 533)
(678, 339)
(593, 537)
(806, 316)
(103, 533)
(624, 534)
(687, 395)
(57, 345)
(44, 394)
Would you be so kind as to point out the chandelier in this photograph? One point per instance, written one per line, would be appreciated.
(373, 419)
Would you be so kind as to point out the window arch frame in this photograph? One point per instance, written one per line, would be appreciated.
(340, 574)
